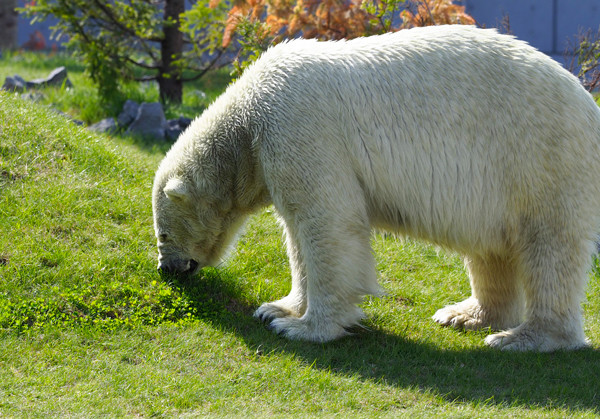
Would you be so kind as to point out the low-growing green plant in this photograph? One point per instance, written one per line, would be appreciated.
(108, 307)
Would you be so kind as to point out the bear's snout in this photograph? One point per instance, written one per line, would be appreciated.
(180, 267)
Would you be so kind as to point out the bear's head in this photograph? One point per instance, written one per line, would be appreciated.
(193, 228)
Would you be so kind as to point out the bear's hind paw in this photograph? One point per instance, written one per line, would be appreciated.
(470, 315)
(464, 315)
(524, 338)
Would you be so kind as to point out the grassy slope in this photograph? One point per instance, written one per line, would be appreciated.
(88, 328)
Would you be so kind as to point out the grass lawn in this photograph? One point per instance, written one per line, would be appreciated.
(88, 328)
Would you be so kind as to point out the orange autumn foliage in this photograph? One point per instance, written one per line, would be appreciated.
(435, 12)
(336, 19)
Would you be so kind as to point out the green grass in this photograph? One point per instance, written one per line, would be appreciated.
(88, 328)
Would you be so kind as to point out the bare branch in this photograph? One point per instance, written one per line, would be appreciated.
(210, 66)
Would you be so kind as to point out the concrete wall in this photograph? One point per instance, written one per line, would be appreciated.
(546, 24)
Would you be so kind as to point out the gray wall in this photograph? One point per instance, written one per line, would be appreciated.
(546, 24)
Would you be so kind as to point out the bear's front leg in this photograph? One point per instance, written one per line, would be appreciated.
(319, 327)
(294, 304)
(338, 268)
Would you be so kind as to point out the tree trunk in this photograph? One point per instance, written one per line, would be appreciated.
(171, 47)
(8, 24)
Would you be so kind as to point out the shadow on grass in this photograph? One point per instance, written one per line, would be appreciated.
(480, 377)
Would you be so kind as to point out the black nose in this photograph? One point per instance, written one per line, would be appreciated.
(193, 266)
(185, 269)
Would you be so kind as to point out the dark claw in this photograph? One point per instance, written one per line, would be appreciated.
(280, 333)
(356, 329)
(265, 318)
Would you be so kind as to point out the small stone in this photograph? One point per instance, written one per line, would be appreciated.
(106, 126)
(32, 96)
(184, 122)
(172, 134)
(176, 126)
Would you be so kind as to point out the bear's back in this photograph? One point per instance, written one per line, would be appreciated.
(434, 118)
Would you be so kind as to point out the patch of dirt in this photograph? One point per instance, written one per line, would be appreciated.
(10, 176)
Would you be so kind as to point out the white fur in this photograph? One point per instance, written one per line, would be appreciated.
(460, 136)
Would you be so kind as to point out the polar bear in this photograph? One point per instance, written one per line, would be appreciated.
(460, 136)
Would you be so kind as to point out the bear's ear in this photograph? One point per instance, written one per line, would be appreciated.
(176, 190)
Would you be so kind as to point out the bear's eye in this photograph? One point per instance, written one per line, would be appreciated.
(162, 237)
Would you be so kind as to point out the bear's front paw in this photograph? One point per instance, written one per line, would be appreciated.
(304, 329)
(271, 311)
(277, 309)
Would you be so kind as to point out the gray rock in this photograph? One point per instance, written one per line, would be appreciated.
(184, 122)
(128, 114)
(107, 126)
(176, 126)
(150, 122)
(57, 77)
(15, 83)
(172, 134)
(173, 130)
(33, 96)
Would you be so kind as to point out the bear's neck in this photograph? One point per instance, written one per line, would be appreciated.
(228, 158)
(250, 191)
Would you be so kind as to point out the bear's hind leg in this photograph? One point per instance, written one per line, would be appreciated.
(554, 276)
(294, 304)
(497, 297)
